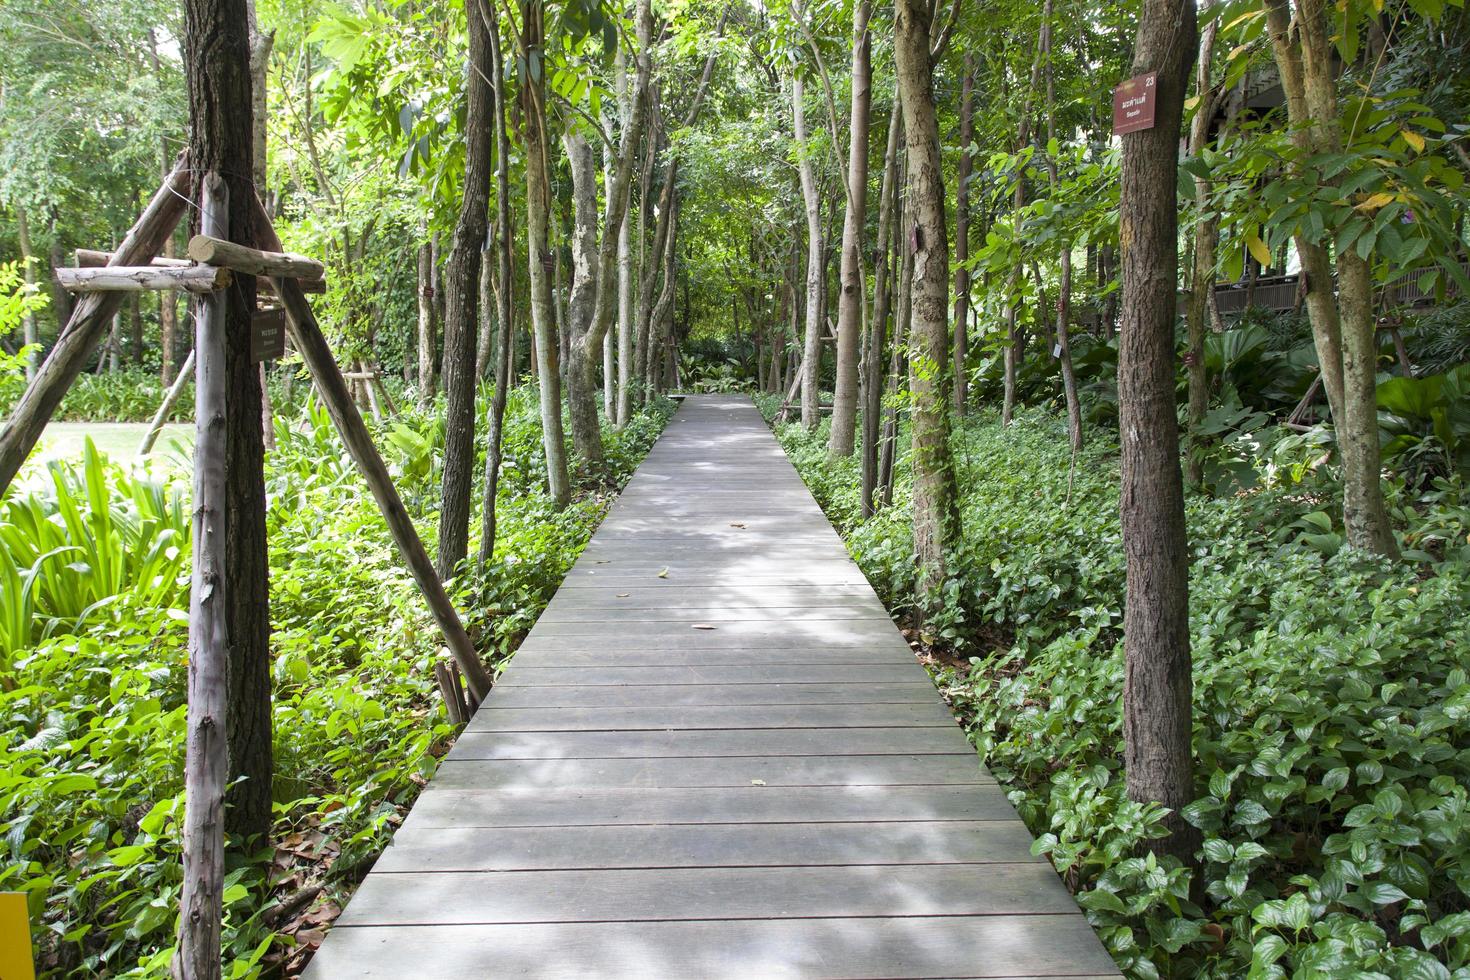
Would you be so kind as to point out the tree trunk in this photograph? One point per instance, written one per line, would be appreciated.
(851, 299)
(816, 265)
(1202, 276)
(28, 268)
(897, 362)
(217, 60)
(936, 515)
(1157, 687)
(505, 277)
(428, 332)
(541, 261)
(962, 237)
(1063, 344)
(873, 380)
(586, 430)
(462, 304)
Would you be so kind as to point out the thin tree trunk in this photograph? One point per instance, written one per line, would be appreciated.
(28, 268)
(1157, 688)
(897, 364)
(1063, 345)
(962, 237)
(462, 303)
(586, 431)
(873, 379)
(505, 276)
(1202, 276)
(541, 262)
(850, 300)
(428, 328)
(816, 265)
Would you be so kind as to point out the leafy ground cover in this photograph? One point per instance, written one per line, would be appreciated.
(94, 564)
(1332, 701)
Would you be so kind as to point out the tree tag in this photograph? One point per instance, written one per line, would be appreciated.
(1133, 104)
(267, 335)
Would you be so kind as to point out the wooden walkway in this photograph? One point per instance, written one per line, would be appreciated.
(714, 756)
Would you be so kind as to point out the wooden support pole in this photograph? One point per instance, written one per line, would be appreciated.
(138, 278)
(206, 766)
(317, 354)
(252, 261)
(186, 374)
(89, 323)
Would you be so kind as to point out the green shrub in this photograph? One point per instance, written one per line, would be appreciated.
(93, 672)
(1332, 705)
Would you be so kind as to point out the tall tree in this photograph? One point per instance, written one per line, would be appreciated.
(962, 235)
(851, 300)
(816, 260)
(936, 515)
(1157, 686)
(462, 301)
(541, 263)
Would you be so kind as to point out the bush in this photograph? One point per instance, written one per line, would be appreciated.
(1332, 705)
(93, 671)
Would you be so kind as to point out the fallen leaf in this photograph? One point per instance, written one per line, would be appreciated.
(737, 524)
(704, 626)
(664, 573)
(624, 595)
(601, 561)
(757, 782)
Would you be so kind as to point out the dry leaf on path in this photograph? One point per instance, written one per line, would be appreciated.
(704, 626)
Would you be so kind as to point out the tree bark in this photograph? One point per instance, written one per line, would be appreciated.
(586, 268)
(816, 265)
(1157, 687)
(962, 237)
(28, 269)
(462, 304)
(936, 515)
(1063, 343)
(873, 379)
(1202, 276)
(586, 349)
(428, 327)
(541, 261)
(851, 299)
(504, 249)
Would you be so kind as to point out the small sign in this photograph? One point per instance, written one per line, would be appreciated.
(267, 335)
(1133, 104)
(15, 938)
(1056, 350)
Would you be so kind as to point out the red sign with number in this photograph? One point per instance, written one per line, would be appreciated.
(1133, 104)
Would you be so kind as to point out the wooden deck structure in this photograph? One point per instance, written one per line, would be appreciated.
(714, 756)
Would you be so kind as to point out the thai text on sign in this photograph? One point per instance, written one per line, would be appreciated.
(1133, 104)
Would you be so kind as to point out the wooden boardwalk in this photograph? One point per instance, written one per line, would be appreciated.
(714, 756)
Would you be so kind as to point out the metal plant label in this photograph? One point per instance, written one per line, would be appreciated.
(267, 335)
(1133, 104)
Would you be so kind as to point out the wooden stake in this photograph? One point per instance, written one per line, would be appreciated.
(317, 355)
(138, 278)
(89, 258)
(186, 374)
(89, 323)
(206, 765)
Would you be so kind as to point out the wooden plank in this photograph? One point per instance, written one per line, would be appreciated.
(919, 691)
(676, 805)
(639, 895)
(903, 740)
(613, 614)
(961, 769)
(781, 795)
(712, 846)
(533, 674)
(492, 718)
(771, 949)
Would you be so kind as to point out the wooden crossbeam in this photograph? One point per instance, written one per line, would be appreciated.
(200, 279)
(91, 258)
(253, 261)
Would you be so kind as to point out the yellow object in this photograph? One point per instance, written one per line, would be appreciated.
(15, 938)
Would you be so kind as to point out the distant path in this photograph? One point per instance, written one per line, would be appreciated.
(781, 794)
